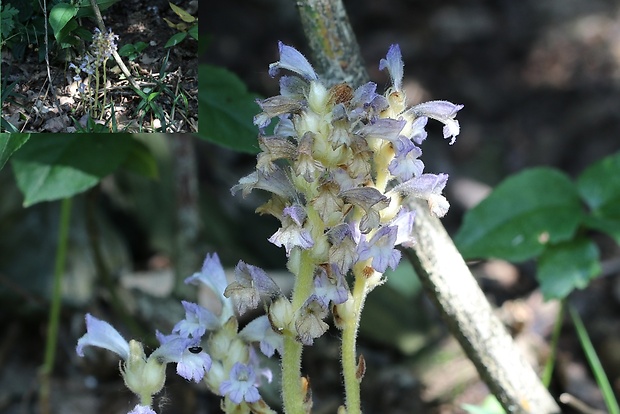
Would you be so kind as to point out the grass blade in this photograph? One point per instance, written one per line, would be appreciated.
(595, 364)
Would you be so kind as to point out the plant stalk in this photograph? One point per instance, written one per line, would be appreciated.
(293, 394)
(55, 306)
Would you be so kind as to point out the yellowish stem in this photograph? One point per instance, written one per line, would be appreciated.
(292, 390)
(351, 322)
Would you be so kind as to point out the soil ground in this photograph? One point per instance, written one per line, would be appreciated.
(37, 106)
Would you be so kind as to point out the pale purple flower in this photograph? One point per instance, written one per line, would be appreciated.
(259, 330)
(442, 111)
(383, 128)
(293, 60)
(406, 164)
(292, 233)
(393, 62)
(381, 249)
(330, 288)
(212, 275)
(251, 282)
(192, 362)
(103, 335)
(197, 321)
(241, 385)
(142, 409)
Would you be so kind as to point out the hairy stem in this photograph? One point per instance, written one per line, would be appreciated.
(350, 327)
(293, 394)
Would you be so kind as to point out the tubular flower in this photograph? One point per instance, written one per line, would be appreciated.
(348, 165)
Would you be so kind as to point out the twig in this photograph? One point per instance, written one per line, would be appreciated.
(332, 41)
(444, 274)
(117, 57)
(578, 405)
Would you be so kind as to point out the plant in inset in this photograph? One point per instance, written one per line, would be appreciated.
(93, 64)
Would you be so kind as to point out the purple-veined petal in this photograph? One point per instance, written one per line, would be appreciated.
(394, 64)
(260, 330)
(381, 249)
(241, 384)
(293, 60)
(103, 335)
(442, 111)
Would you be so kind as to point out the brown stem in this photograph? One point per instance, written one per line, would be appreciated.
(449, 282)
(334, 48)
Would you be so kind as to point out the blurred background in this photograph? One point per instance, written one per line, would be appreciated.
(540, 81)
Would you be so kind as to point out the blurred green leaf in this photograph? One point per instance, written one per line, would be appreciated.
(490, 405)
(49, 169)
(567, 266)
(523, 214)
(226, 110)
(599, 186)
(141, 161)
(9, 143)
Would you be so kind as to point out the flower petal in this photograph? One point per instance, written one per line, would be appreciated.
(293, 60)
(103, 335)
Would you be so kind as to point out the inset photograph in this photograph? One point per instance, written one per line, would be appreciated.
(99, 66)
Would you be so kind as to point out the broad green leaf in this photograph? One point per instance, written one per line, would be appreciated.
(140, 160)
(9, 143)
(226, 110)
(610, 226)
(567, 266)
(523, 214)
(176, 39)
(599, 186)
(127, 50)
(60, 15)
(185, 16)
(49, 169)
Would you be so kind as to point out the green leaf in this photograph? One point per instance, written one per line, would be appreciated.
(185, 16)
(226, 110)
(193, 31)
(60, 15)
(567, 266)
(140, 160)
(523, 214)
(176, 39)
(9, 143)
(49, 169)
(599, 186)
(86, 9)
(127, 50)
(490, 405)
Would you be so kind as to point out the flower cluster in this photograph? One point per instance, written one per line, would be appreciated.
(101, 48)
(206, 346)
(342, 166)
